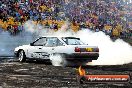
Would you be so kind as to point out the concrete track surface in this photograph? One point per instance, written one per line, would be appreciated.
(14, 74)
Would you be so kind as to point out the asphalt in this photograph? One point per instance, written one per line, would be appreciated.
(32, 74)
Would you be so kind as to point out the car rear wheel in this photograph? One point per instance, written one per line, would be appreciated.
(22, 56)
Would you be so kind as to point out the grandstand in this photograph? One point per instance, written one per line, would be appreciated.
(110, 16)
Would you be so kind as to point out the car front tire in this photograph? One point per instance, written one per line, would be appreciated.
(22, 56)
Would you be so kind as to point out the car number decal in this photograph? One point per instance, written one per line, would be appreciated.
(42, 55)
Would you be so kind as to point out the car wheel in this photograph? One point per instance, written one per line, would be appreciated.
(22, 56)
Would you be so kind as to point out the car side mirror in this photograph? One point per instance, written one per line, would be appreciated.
(31, 44)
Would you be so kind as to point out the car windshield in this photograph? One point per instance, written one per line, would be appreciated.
(72, 41)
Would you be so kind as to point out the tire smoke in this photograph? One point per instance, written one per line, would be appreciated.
(9, 42)
(111, 52)
(57, 60)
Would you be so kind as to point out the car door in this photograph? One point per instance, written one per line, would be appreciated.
(53, 45)
(43, 47)
(50, 44)
(36, 48)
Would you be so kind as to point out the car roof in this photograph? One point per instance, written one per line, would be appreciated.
(60, 36)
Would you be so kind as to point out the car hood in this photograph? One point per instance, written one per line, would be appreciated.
(22, 47)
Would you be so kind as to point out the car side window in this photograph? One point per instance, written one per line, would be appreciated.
(59, 43)
(51, 42)
(40, 42)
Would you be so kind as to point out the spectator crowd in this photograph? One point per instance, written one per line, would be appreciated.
(114, 17)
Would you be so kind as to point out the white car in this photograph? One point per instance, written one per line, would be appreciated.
(71, 48)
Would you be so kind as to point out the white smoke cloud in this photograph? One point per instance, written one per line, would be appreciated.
(8, 42)
(57, 60)
(111, 53)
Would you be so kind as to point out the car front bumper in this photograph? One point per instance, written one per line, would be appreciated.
(15, 53)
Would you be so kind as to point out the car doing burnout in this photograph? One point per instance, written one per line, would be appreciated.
(71, 48)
